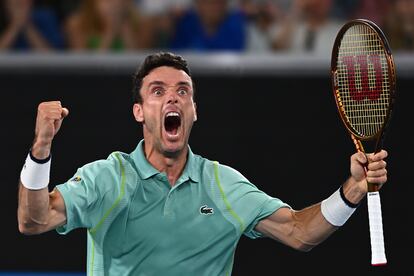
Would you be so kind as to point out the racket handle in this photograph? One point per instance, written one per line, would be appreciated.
(375, 229)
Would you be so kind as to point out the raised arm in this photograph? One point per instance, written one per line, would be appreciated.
(307, 228)
(38, 210)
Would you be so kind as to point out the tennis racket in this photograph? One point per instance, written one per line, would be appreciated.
(363, 80)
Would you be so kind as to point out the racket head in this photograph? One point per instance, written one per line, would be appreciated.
(363, 79)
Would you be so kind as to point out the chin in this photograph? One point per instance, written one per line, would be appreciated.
(170, 153)
(173, 151)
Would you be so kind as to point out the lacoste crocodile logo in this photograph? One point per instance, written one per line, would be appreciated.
(205, 210)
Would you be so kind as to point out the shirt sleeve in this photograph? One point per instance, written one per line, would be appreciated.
(88, 194)
(269, 206)
(247, 201)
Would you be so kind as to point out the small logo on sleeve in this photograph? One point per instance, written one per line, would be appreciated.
(205, 210)
(76, 179)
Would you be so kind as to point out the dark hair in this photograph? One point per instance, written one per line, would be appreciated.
(154, 61)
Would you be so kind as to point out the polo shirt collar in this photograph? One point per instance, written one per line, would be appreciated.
(146, 170)
(190, 169)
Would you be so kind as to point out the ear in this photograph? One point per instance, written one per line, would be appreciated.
(195, 112)
(138, 112)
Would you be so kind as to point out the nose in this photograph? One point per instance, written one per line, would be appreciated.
(172, 97)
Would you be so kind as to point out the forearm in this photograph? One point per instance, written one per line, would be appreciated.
(8, 37)
(35, 39)
(321, 220)
(310, 227)
(33, 209)
(301, 230)
(316, 223)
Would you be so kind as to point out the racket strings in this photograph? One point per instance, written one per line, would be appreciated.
(363, 81)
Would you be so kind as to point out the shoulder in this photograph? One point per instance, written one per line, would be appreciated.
(113, 165)
(114, 174)
(229, 173)
(220, 172)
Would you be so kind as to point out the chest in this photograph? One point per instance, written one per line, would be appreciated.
(183, 218)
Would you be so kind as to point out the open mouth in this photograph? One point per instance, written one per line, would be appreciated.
(172, 122)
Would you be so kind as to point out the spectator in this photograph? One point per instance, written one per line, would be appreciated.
(263, 23)
(211, 25)
(106, 25)
(309, 28)
(162, 16)
(374, 10)
(348, 9)
(26, 26)
(399, 27)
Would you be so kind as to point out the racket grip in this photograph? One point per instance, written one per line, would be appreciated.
(375, 229)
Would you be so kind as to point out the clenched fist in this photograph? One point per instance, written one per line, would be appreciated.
(370, 168)
(48, 121)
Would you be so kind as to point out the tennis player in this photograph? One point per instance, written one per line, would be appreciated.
(162, 209)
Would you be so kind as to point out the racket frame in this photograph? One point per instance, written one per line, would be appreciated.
(379, 136)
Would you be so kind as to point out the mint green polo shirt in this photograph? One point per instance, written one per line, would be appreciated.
(137, 224)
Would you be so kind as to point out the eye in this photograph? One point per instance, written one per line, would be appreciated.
(182, 91)
(158, 91)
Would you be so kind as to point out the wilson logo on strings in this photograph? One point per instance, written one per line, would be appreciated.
(361, 71)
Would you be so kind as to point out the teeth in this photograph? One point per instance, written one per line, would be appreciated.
(172, 114)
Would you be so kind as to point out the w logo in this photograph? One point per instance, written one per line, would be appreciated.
(369, 75)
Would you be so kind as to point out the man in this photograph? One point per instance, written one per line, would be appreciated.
(162, 210)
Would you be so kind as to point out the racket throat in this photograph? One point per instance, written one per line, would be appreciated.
(358, 144)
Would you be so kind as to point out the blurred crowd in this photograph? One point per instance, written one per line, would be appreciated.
(308, 26)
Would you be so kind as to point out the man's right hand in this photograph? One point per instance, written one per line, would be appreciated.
(48, 122)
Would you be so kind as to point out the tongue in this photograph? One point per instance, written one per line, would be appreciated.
(171, 130)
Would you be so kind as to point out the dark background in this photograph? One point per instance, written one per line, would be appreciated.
(282, 132)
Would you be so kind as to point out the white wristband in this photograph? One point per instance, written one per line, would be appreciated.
(35, 175)
(335, 210)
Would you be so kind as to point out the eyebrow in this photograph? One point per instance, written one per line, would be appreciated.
(184, 83)
(156, 83)
(181, 83)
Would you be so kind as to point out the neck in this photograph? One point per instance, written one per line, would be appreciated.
(173, 166)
